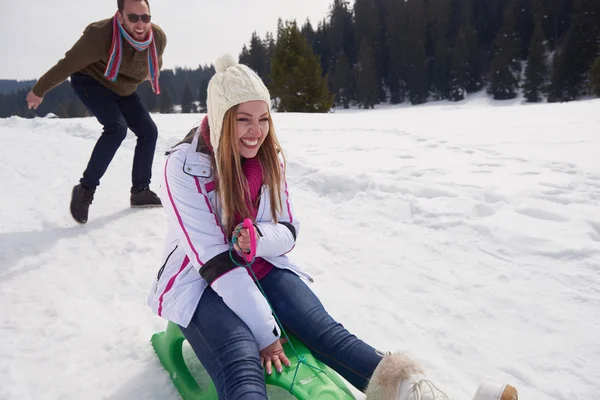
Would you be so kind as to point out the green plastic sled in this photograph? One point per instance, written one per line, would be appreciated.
(309, 383)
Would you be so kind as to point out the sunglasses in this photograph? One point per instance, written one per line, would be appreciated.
(133, 18)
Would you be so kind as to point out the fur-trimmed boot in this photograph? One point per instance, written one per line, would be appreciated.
(397, 377)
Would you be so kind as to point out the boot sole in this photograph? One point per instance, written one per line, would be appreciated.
(147, 206)
(79, 222)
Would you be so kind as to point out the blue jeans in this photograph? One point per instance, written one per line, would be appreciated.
(226, 348)
(116, 114)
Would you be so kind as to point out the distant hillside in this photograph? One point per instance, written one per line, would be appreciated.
(9, 85)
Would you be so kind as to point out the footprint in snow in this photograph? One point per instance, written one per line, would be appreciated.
(563, 167)
(461, 150)
(484, 210)
(490, 197)
(488, 164)
(432, 193)
(595, 234)
(537, 213)
(528, 173)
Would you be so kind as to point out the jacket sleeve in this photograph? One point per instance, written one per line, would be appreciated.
(190, 213)
(84, 52)
(279, 238)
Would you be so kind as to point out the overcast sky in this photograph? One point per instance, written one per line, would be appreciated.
(35, 34)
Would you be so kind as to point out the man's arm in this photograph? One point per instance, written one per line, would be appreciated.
(84, 52)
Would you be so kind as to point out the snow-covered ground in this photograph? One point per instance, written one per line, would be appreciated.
(465, 234)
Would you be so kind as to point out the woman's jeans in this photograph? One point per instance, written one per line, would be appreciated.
(226, 348)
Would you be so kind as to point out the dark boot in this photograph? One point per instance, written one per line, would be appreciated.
(144, 198)
(81, 198)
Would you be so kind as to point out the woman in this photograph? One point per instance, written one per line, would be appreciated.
(229, 169)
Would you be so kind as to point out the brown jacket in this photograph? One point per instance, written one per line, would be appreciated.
(90, 55)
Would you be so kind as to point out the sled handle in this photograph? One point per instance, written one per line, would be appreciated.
(249, 257)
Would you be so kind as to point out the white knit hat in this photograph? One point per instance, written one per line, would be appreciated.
(232, 84)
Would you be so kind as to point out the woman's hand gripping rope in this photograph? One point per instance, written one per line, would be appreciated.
(243, 241)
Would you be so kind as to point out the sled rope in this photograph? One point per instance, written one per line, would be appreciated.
(248, 265)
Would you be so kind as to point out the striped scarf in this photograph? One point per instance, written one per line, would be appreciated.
(116, 53)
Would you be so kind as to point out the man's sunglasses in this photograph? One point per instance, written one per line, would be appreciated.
(133, 18)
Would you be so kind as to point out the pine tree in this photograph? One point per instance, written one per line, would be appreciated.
(396, 28)
(322, 46)
(203, 95)
(187, 102)
(367, 25)
(366, 84)
(466, 22)
(308, 32)
(258, 57)
(72, 109)
(4, 111)
(341, 42)
(270, 47)
(536, 71)
(341, 36)
(505, 68)
(557, 90)
(459, 71)
(574, 58)
(62, 110)
(166, 102)
(555, 14)
(382, 62)
(439, 13)
(168, 84)
(475, 62)
(594, 76)
(296, 76)
(525, 26)
(76, 109)
(342, 80)
(270, 44)
(244, 57)
(487, 17)
(415, 57)
(151, 101)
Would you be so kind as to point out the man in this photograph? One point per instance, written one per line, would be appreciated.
(106, 65)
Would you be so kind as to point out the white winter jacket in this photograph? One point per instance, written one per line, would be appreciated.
(196, 239)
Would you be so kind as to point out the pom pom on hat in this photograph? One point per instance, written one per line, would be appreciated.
(225, 62)
(232, 84)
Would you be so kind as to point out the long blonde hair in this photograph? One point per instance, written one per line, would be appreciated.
(231, 184)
